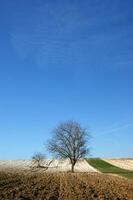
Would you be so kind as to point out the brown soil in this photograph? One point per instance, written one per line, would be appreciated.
(63, 186)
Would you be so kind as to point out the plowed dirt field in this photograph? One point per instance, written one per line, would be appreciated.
(63, 186)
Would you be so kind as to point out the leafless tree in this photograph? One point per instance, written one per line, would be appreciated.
(38, 158)
(69, 141)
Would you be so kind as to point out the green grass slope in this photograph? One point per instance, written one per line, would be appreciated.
(106, 167)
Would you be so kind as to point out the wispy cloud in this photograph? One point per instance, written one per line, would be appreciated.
(73, 34)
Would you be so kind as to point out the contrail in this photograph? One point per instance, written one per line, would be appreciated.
(116, 129)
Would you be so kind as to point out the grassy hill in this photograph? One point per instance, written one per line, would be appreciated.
(106, 167)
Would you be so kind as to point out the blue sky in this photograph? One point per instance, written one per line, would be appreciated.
(62, 60)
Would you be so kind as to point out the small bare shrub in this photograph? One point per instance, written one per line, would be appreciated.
(38, 159)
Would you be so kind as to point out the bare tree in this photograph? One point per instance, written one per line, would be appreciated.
(38, 158)
(69, 141)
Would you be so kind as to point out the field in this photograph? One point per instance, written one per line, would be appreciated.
(124, 163)
(106, 167)
(63, 186)
(55, 166)
(92, 180)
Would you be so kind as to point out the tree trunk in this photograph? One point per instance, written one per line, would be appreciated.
(38, 164)
(72, 169)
